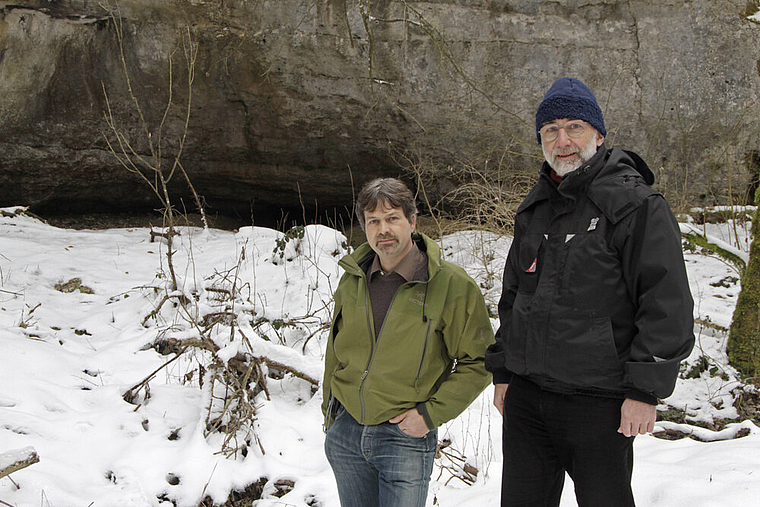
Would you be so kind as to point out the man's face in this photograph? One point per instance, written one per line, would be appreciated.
(389, 233)
(565, 153)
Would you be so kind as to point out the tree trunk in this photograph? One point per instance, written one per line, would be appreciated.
(744, 336)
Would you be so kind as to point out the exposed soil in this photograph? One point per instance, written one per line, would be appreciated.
(124, 220)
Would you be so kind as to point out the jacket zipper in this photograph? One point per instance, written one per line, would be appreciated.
(374, 342)
(373, 345)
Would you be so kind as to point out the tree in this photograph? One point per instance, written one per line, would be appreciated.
(744, 335)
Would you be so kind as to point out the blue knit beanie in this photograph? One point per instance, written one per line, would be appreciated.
(569, 98)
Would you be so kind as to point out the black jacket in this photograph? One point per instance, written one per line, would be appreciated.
(595, 297)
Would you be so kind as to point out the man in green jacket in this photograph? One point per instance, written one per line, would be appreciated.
(405, 354)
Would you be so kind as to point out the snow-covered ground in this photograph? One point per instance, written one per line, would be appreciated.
(69, 353)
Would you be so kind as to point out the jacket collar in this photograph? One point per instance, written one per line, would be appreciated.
(360, 261)
(412, 268)
(606, 162)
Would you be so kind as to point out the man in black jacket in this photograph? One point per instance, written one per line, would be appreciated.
(595, 313)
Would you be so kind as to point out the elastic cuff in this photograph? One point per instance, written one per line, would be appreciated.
(422, 409)
(502, 377)
(641, 396)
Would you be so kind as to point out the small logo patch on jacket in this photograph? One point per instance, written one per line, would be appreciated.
(418, 298)
(592, 225)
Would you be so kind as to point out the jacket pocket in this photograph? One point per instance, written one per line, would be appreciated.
(334, 332)
(592, 276)
(422, 357)
(529, 262)
(584, 352)
(516, 329)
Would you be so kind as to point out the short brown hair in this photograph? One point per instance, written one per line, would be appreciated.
(387, 190)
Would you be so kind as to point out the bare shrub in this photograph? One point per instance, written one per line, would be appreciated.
(482, 192)
(209, 326)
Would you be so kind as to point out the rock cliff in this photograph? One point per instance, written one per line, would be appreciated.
(293, 100)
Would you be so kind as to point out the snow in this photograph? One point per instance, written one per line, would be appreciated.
(68, 358)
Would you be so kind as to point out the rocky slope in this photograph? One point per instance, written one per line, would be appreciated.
(293, 100)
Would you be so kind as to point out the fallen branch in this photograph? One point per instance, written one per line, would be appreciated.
(700, 240)
(288, 369)
(19, 459)
(175, 344)
(226, 292)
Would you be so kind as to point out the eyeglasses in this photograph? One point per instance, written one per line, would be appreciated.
(574, 128)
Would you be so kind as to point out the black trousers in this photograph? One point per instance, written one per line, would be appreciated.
(547, 434)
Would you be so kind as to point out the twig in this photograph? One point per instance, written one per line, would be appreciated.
(129, 395)
(203, 493)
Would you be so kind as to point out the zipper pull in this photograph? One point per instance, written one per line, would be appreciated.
(364, 375)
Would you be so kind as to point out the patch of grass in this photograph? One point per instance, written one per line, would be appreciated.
(751, 9)
(701, 366)
(678, 416)
(245, 498)
(672, 415)
(706, 322)
(73, 285)
(726, 282)
(747, 404)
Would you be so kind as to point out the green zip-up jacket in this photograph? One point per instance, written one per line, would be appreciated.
(429, 353)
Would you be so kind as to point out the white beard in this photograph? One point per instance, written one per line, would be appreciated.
(564, 167)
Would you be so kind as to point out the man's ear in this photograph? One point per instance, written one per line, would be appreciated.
(599, 140)
(413, 222)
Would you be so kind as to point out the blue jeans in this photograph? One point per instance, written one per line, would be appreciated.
(379, 466)
(547, 434)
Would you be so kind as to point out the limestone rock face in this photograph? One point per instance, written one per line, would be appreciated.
(293, 100)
